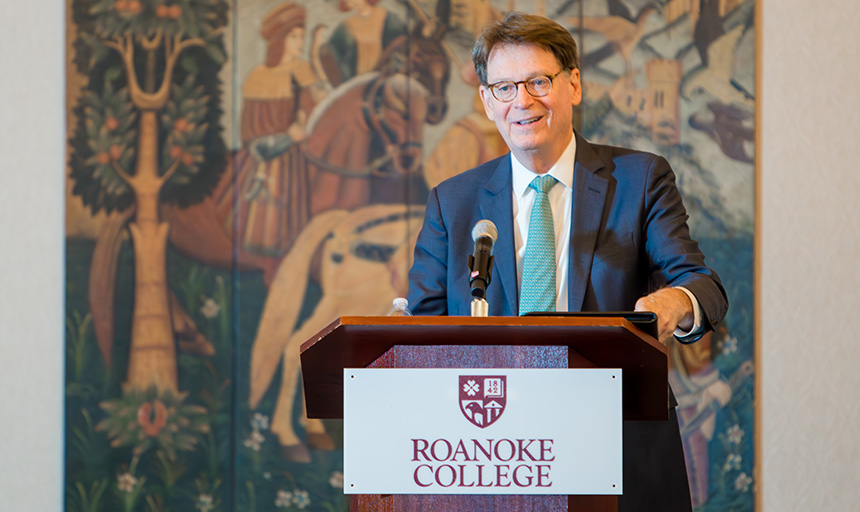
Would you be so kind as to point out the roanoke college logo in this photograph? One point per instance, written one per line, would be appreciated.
(482, 398)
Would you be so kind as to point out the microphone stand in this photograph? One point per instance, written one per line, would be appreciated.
(480, 307)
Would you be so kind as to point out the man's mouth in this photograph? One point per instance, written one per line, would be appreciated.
(528, 121)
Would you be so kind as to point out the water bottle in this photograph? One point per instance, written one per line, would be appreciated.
(401, 308)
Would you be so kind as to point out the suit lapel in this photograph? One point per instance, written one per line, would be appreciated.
(495, 205)
(589, 195)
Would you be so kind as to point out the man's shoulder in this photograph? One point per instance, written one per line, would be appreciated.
(623, 158)
(473, 177)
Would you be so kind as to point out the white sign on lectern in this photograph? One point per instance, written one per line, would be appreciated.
(482, 431)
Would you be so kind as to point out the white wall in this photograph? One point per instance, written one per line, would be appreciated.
(810, 241)
(809, 281)
(31, 258)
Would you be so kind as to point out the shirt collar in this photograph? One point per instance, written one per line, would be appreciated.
(562, 170)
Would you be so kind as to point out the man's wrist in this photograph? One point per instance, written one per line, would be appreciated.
(696, 332)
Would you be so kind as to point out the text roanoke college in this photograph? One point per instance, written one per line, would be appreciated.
(483, 463)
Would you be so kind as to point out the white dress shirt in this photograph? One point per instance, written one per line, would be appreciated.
(560, 200)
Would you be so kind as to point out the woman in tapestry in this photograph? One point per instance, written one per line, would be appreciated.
(357, 43)
(278, 96)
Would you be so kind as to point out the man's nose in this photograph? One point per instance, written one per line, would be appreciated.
(523, 97)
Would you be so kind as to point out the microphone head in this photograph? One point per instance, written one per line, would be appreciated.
(485, 228)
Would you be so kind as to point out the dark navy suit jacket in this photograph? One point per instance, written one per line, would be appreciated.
(628, 237)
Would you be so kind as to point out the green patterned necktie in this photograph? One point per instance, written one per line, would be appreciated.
(537, 291)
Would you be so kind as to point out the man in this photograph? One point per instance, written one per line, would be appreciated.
(612, 217)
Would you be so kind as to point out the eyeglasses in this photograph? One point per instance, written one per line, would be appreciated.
(536, 86)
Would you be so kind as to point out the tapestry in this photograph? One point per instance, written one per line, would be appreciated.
(242, 173)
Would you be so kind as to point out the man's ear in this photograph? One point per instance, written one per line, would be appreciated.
(576, 83)
(486, 98)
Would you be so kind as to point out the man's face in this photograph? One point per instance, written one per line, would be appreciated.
(537, 130)
(294, 44)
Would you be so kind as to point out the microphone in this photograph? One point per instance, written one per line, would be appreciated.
(484, 234)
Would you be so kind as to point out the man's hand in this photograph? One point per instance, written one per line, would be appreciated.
(673, 309)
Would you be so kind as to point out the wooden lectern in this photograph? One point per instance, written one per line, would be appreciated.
(489, 342)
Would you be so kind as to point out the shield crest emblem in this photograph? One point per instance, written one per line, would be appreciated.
(482, 398)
